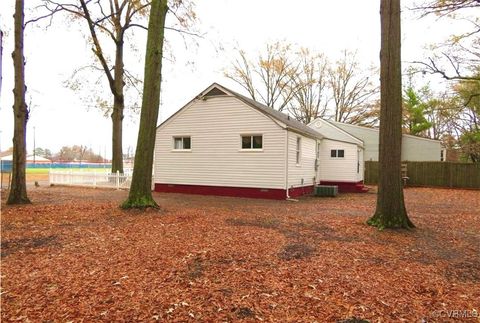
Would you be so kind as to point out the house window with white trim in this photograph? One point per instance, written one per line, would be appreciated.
(337, 153)
(298, 152)
(252, 141)
(182, 143)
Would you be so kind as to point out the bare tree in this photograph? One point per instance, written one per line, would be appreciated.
(353, 91)
(111, 18)
(18, 190)
(108, 22)
(390, 211)
(140, 195)
(445, 7)
(457, 57)
(268, 79)
(309, 88)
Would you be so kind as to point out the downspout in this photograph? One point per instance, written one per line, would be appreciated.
(286, 162)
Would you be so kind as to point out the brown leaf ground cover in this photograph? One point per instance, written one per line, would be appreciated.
(74, 256)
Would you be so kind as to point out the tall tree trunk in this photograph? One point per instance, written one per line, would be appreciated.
(118, 108)
(390, 211)
(18, 187)
(140, 195)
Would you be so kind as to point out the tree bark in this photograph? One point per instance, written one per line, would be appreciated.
(118, 108)
(390, 211)
(140, 195)
(18, 187)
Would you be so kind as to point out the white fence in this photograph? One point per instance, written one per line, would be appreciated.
(90, 179)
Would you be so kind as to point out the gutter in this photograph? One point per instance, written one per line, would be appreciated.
(286, 163)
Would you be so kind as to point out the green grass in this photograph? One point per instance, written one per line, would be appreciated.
(46, 170)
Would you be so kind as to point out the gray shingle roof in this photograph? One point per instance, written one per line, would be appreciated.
(290, 122)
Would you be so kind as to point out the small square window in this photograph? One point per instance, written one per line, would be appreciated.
(252, 142)
(180, 143)
(337, 153)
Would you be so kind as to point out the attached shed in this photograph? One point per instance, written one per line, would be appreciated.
(414, 148)
(223, 143)
(341, 157)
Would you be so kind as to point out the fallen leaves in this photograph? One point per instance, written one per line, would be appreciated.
(74, 255)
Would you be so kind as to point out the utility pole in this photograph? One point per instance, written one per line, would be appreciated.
(34, 148)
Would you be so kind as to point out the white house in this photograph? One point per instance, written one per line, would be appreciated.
(223, 143)
(414, 148)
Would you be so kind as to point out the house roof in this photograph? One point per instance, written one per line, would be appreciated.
(345, 127)
(331, 131)
(289, 122)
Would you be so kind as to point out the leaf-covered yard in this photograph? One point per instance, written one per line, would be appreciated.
(75, 256)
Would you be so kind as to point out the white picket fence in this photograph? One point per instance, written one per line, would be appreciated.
(90, 179)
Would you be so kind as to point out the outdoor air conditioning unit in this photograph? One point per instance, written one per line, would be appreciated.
(326, 190)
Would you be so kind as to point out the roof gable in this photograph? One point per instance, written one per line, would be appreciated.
(215, 92)
(282, 119)
(289, 122)
(331, 131)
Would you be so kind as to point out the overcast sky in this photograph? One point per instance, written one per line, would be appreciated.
(61, 117)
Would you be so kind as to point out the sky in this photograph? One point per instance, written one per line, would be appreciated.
(62, 117)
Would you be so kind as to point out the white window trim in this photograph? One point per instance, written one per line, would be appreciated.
(337, 154)
(181, 150)
(251, 142)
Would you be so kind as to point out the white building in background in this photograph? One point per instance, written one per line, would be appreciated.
(414, 148)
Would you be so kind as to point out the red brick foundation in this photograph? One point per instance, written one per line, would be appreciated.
(262, 193)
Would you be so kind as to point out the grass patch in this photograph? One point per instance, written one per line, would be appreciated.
(67, 169)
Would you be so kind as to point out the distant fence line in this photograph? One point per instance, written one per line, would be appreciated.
(6, 165)
(442, 174)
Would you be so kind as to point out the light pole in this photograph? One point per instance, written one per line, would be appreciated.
(34, 148)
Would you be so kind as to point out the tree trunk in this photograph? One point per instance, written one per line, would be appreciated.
(18, 187)
(140, 195)
(390, 211)
(117, 135)
(118, 107)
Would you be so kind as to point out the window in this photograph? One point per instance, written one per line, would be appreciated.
(337, 153)
(299, 140)
(252, 142)
(182, 143)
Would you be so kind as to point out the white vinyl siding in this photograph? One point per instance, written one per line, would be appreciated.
(338, 169)
(419, 149)
(305, 169)
(217, 158)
